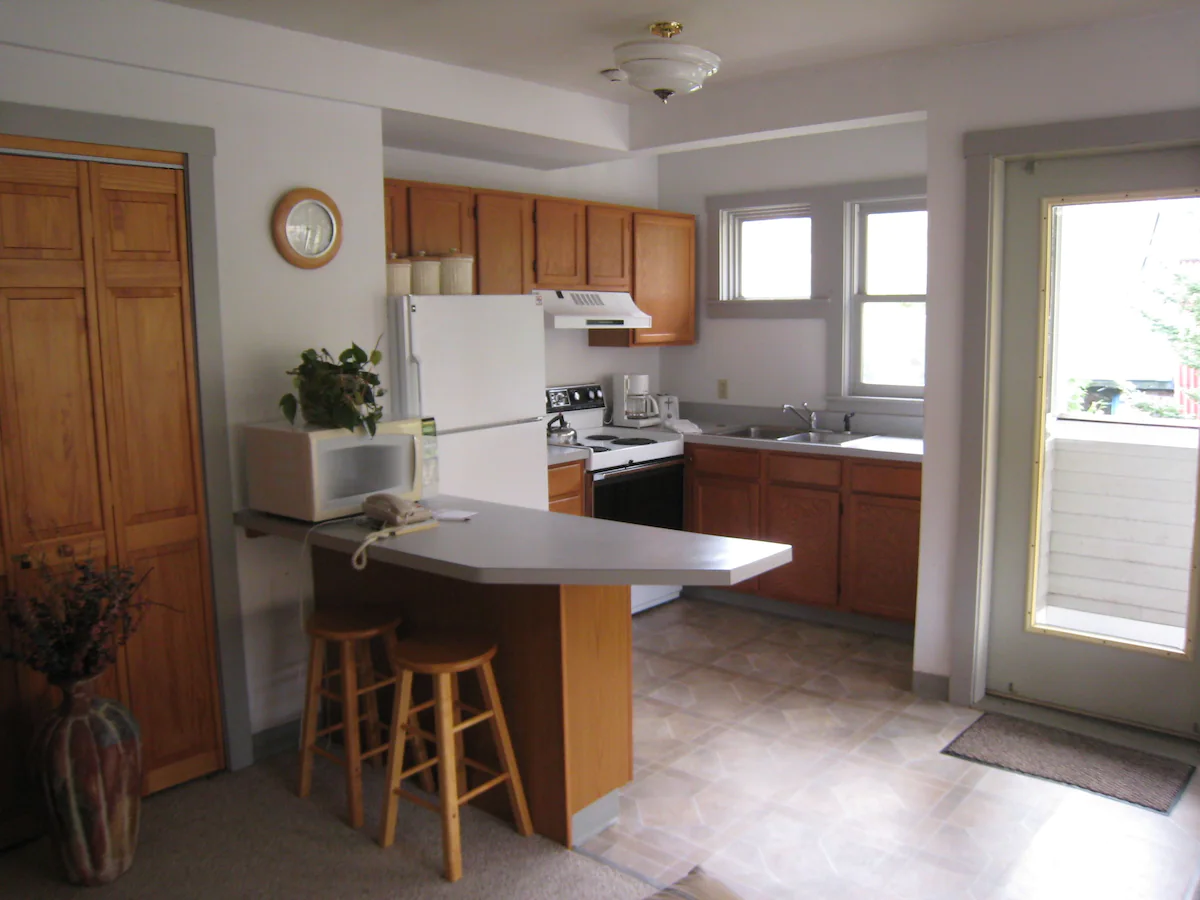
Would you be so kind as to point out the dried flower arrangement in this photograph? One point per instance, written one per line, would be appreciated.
(71, 627)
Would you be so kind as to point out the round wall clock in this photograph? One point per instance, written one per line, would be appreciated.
(307, 228)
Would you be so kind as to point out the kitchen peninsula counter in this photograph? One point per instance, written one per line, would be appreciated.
(553, 591)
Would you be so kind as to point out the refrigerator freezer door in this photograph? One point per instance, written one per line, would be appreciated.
(501, 465)
(468, 360)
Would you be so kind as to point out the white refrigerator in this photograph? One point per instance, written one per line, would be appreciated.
(477, 364)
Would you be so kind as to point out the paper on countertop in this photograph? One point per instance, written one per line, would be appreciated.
(453, 515)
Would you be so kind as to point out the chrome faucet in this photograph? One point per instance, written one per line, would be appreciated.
(810, 420)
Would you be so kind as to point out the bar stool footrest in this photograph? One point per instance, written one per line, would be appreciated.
(486, 786)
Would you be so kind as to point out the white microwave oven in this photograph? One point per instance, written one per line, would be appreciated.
(316, 474)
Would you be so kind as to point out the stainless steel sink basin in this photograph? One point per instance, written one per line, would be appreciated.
(763, 432)
(821, 437)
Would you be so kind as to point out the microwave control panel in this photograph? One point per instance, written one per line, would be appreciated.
(575, 396)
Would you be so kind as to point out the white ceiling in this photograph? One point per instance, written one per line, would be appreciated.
(566, 43)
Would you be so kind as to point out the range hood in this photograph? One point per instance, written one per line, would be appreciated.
(591, 309)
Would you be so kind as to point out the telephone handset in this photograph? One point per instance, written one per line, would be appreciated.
(394, 515)
(392, 511)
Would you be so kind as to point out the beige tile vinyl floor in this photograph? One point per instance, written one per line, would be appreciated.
(792, 761)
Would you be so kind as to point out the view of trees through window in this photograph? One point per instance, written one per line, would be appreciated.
(1125, 316)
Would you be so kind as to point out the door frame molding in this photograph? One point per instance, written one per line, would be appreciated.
(986, 153)
(199, 145)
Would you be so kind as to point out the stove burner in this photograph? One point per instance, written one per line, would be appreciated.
(633, 442)
(599, 449)
(602, 437)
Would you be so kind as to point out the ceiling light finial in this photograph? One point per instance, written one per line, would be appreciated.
(663, 67)
(666, 29)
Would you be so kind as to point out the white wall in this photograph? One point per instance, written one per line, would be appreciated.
(569, 359)
(267, 142)
(1115, 68)
(769, 362)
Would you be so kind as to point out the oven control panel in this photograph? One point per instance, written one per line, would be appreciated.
(574, 396)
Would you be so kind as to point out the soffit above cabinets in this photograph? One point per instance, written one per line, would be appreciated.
(565, 43)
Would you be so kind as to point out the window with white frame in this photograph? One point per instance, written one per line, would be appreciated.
(885, 310)
(766, 253)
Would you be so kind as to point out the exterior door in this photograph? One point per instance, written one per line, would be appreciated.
(1094, 586)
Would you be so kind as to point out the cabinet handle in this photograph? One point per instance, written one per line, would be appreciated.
(65, 551)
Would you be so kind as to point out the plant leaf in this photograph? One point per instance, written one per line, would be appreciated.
(287, 403)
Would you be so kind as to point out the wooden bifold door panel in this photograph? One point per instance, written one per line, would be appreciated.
(100, 437)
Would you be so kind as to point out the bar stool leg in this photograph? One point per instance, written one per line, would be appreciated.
(350, 733)
(448, 775)
(366, 678)
(312, 703)
(459, 743)
(390, 644)
(395, 766)
(508, 759)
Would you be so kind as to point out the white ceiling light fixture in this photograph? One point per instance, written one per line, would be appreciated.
(661, 66)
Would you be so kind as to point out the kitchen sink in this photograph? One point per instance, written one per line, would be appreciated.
(821, 437)
(763, 432)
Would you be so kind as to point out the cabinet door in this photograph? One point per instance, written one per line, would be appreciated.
(610, 248)
(808, 519)
(724, 506)
(664, 277)
(503, 243)
(882, 536)
(439, 219)
(150, 395)
(395, 213)
(561, 231)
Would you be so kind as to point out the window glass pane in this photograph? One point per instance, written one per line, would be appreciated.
(1124, 316)
(776, 259)
(896, 254)
(893, 343)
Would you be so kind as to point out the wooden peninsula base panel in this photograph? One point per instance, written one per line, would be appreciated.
(564, 668)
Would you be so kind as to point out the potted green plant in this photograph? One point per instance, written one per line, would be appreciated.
(87, 753)
(336, 392)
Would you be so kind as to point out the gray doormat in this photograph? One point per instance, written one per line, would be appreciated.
(1143, 779)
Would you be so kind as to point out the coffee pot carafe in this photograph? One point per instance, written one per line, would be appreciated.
(634, 405)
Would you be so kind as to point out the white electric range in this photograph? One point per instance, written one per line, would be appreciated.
(637, 473)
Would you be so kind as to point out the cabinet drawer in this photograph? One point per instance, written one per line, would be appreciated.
(566, 479)
(722, 461)
(895, 480)
(572, 506)
(799, 468)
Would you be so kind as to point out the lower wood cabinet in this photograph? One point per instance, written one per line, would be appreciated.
(568, 488)
(853, 523)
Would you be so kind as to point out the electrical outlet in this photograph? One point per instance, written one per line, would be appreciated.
(722, 388)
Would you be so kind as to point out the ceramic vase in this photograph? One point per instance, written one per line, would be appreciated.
(89, 759)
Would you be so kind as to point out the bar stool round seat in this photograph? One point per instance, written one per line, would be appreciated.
(352, 624)
(436, 653)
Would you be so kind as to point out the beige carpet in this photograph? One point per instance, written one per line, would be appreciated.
(248, 835)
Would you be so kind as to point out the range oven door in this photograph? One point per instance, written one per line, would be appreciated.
(646, 494)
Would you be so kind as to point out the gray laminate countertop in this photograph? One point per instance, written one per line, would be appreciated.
(505, 544)
(876, 446)
(558, 453)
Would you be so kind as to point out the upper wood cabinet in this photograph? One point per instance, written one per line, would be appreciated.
(664, 283)
(503, 243)
(561, 257)
(439, 219)
(395, 214)
(610, 248)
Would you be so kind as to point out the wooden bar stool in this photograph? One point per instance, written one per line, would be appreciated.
(352, 630)
(445, 656)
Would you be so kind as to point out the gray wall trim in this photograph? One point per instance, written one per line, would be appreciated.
(818, 615)
(199, 143)
(95, 128)
(595, 817)
(928, 686)
(282, 738)
(816, 308)
(1147, 129)
(986, 153)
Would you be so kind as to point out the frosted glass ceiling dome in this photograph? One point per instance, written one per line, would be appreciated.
(662, 66)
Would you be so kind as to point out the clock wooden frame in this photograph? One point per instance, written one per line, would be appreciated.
(283, 209)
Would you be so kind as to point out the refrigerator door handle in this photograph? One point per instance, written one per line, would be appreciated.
(491, 425)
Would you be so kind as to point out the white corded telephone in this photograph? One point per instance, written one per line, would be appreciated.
(395, 515)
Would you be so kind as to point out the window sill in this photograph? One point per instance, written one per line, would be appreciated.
(887, 406)
(816, 308)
